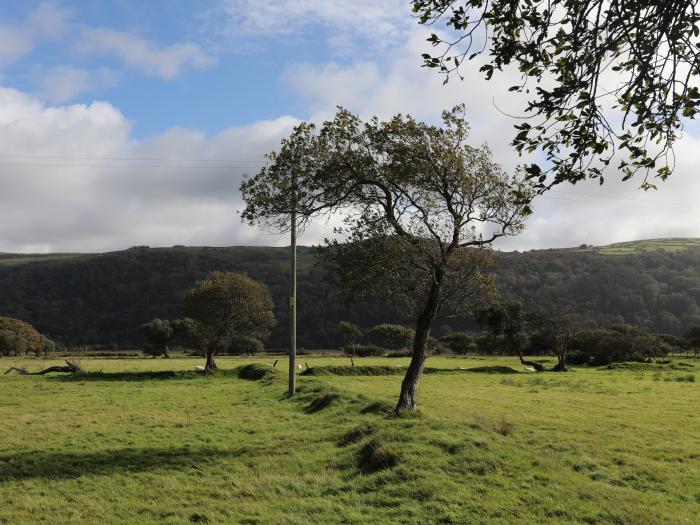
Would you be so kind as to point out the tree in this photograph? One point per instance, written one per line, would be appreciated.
(556, 330)
(224, 305)
(18, 337)
(506, 318)
(605, 79)
(420, 206)
(391, 336)
(158, 333)
(351, 332)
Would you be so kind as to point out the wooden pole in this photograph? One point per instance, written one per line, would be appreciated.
(293, 307)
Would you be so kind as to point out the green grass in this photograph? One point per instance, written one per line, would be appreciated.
(149, 441)
(674, 245)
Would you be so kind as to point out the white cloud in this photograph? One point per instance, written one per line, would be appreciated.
(64, 83)
(166, 62)
(50, 20)
(16, 43)
(65, 186)
(339, 21)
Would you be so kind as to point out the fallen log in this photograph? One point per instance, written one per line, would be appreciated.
(533, 364)
(69, 368)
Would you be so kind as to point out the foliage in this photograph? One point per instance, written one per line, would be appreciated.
(158, 333)
(364, 350)
(556, 328)
(617, 344)
(225, 305)
(459, 342)
(605, 80)
(18, 337)
(391, 336)
(351, 332)
(245, 345)
(103, 299)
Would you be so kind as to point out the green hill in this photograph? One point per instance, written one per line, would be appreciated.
(103, 298)
(679, 244)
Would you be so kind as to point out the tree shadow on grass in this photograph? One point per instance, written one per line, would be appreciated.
(141, 376)
(58, 465)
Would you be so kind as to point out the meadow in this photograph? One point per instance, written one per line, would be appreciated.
(150, 441)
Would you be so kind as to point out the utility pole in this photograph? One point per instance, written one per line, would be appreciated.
(293, 296)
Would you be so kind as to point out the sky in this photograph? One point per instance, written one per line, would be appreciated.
(126, 123)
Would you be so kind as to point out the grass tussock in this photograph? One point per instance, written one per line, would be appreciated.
(356, 434)
(377, 455)
(257, 372)
(500, 425)
(380, 408)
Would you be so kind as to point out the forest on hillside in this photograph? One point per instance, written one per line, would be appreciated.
(103, 299)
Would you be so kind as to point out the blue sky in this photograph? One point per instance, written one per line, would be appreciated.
(218, 83)
(232, 75)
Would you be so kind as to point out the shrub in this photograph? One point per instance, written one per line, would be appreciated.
(391, 336)
(245, 345)
(459, 342)
(365, 350)
(18, 337)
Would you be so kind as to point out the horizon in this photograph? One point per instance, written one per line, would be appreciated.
(281, 247)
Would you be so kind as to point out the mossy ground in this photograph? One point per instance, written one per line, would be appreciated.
(135, 444)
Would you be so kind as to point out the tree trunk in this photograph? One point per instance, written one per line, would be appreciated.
(210, 367)
(166, 355)
(561, 364)
(352, 356)
(408, 399)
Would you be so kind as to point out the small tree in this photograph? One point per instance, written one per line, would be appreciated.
(420, 202)
(224, 305)
(157, 334)
(352, 333)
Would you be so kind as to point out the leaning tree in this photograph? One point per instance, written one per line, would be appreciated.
(604, 79)
(420, 206)
(225, 305)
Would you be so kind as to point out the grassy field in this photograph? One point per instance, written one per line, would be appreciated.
(148, 441)
(650, 245)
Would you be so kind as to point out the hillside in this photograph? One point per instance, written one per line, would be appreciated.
(103, 298)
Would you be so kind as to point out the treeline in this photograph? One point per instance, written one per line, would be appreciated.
(106, 298)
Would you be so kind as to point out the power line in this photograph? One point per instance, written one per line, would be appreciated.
(139, 166)
(128, 159)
